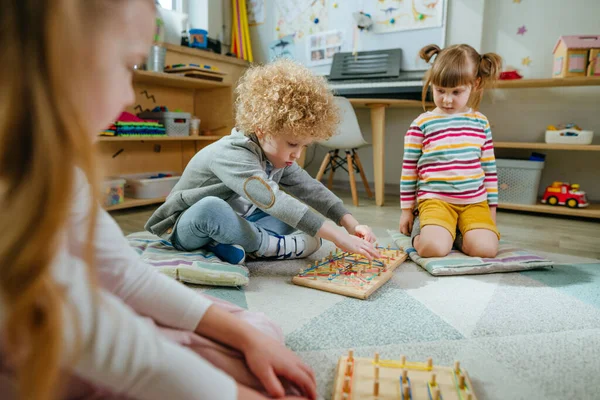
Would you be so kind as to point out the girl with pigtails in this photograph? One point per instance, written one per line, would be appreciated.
(449, 171)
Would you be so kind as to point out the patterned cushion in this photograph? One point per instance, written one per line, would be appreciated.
(509, 258)
(199, 267)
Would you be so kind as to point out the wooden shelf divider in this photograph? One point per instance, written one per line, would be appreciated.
(546, 146)
(176, 81)
(592, 211)
(548, 82)
(158, 139)
(128, 203)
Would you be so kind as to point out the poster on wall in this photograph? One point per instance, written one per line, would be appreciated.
(256, 12)
(282, 48)
(322, 46)
(300, 17)
(404, 15)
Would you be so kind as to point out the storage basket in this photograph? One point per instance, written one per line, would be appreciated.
(176, 123)
(149, 185)
(518, 180)
(114, 191)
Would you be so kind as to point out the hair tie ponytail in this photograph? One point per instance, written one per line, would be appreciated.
(427, 52)
(490, 65)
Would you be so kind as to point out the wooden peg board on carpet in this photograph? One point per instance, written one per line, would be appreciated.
(351, 274)
(375, 379)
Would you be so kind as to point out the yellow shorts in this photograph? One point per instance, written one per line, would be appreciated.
(466, 216)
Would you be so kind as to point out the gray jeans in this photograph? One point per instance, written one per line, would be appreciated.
(213, 218)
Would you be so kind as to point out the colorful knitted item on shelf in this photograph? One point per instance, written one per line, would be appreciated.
(110, 131)
(131, 125)
(140, 129)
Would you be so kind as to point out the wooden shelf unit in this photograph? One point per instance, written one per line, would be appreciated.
(592, 211)
(128, 203)
(208, 100)
(177, 81)
(158, 139)
(548, 83)
(546, 146)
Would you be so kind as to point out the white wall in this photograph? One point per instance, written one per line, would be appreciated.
(523, 114)
(208, 15)
(340, 19)
(516, 114)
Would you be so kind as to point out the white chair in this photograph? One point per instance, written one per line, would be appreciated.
(348, 138)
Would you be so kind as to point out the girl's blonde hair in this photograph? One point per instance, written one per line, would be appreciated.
(461, 65)
(42, 140)
(285, 98)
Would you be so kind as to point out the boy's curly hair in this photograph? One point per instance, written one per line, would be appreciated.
(285, 98)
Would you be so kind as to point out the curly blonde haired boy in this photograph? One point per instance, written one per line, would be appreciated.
(246, 194)
(285, 98)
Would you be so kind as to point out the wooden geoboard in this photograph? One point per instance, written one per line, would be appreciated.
(350, 274)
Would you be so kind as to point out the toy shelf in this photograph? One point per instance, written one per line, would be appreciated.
(592, 211)
(158, 139)
(175, 81)
(211, 101)
(546, 146)
(548, 83)
(128, 203)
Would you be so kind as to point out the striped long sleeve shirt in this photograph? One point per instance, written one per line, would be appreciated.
(451, 158)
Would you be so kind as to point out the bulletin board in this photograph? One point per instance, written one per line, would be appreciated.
(406, 24)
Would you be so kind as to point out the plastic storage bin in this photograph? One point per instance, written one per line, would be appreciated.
(518, 181)
(114, 191)
(176, 123)
(148, 185)
(569, 136)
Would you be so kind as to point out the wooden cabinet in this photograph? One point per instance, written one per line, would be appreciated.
(210, 101)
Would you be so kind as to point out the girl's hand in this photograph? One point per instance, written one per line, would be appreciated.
(269, 359)
(245, 393)
(406, 221)
(354, 244)
(364, 232)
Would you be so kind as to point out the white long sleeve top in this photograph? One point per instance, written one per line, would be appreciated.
(121, 350)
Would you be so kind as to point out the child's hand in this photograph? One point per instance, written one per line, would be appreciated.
(269, 360)
(245, 393)
(364, 232)
(406, 221)
(493, 212)
(354, 244)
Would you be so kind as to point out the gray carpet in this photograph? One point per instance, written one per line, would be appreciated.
(528, 335)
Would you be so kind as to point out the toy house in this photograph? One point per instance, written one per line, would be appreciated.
(571, 55)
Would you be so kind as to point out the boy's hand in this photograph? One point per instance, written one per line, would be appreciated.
(354, 244)
(364, 232)
(406, 221)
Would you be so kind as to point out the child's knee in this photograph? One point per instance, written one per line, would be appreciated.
(208, 211)
(211, 206)
(432, 247)
(486, 247)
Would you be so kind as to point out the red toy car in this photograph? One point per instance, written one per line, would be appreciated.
(561, 193)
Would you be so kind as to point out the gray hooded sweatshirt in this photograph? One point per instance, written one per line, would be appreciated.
(235, 167)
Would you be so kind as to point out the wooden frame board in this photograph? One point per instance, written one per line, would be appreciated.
(350, 274)
(375, 379)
